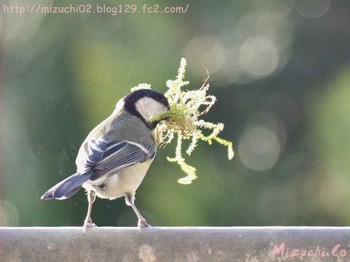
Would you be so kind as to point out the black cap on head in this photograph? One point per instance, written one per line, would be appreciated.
(131, 99)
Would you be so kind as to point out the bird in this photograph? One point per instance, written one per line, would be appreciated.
(116, 155)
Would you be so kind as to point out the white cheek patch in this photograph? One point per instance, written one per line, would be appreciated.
(148, 107)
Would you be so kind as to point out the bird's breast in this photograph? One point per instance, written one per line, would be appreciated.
(117, 184)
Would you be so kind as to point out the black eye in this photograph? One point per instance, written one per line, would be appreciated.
(166, 103)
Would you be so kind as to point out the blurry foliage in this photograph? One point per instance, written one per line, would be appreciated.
(330, 116)
(280, 72)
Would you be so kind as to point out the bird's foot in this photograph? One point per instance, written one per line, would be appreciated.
(142, 224)
(87, 225)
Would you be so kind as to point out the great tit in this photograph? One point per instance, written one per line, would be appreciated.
(115, 157)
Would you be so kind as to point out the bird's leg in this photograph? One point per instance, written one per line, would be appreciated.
(129, 200)
(88, 221)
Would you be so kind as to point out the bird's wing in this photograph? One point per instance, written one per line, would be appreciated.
(103, 157)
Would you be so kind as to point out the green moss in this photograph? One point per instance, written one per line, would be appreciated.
(183, 121)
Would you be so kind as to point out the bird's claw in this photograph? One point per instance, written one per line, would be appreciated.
(142, 224)
(88, 225)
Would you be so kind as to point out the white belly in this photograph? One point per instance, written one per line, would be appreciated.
(118, 184)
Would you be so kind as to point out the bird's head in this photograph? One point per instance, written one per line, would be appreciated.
(146, 104)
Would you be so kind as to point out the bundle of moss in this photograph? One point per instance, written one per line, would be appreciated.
(182, 121)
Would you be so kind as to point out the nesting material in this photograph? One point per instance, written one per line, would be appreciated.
(183, 121)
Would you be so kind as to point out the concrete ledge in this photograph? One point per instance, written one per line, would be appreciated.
(175, 244)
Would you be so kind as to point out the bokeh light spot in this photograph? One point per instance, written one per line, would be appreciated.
(8, 214)
(312, 8)
(205, 50)
(259, 148)
(282, 7)
(258, 56)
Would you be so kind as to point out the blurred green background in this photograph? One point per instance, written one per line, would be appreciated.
(279, 69)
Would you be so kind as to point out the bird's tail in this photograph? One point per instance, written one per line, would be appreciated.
(68, 187)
